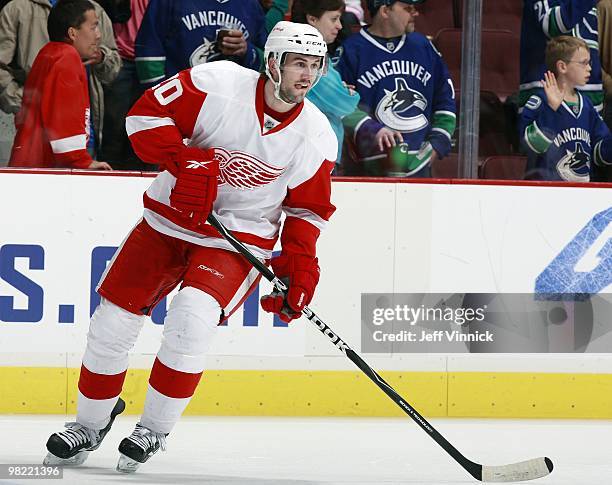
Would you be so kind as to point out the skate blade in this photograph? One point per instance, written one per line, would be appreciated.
(76, 460)
(126, 464)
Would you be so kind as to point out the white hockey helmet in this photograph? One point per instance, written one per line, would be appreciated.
(298, 39)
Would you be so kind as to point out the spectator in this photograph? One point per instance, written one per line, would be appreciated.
(404, 84)
(53, 123)
(331, 95)
(275, 11)
(119, 11)
(122, 94)
(546, 19)
(355, 10)
(352, 20)
(23, 32)
(604, 15)
(560, 127)
(178, 35)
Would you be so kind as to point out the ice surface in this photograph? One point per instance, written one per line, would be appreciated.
(303, 451)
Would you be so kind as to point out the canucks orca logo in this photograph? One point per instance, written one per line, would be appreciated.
(402, 109)
(204, 53)
(575, 166)
(335, 58)
(533, 102)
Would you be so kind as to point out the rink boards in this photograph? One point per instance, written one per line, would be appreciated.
(59, 230)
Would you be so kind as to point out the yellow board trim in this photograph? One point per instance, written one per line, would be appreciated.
(525, 395)
(53, 390)
(32, 390)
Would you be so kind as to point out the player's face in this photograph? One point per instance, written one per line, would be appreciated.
(328, 24)
(402, 17)
(299, 73)
(86, 39)
(579, 67)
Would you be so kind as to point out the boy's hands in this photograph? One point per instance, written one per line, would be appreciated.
(553, 94)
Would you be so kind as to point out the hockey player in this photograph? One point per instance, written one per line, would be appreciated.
(404, 84)
(545, 19)
(560, 127)
(254, 148)
(177, 35)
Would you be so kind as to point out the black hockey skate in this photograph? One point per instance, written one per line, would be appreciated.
(72, 446)
(137, 448)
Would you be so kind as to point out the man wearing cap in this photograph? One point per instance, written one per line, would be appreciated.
(404, 84)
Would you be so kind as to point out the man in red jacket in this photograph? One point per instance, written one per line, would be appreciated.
(53, 125)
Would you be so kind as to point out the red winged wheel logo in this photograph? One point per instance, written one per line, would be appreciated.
(243, 171)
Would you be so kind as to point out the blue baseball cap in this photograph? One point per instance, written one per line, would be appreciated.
(374, 5)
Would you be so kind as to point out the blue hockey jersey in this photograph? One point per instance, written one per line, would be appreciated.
(405, 86)
(545, 19)
(177, 35)
(562, 144)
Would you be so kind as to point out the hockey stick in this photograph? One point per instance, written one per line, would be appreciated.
(524, 470)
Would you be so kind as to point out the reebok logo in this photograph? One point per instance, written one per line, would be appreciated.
(213, 271)
(195, 164)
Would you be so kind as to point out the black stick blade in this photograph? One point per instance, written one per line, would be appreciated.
(518, 472)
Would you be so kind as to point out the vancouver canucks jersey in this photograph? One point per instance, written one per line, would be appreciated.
(563, 143)
(178, 35)
(545, 19)
(403, 85)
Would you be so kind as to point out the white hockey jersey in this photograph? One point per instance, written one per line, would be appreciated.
(266, 167)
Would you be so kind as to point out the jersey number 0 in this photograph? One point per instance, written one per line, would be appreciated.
(168, 91)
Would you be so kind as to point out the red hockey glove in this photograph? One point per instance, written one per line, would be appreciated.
(302, 274)
(195, 190)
